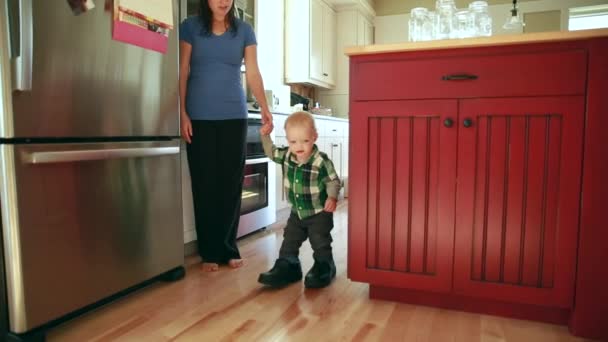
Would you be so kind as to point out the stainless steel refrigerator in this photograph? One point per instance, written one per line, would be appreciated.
(89, 162)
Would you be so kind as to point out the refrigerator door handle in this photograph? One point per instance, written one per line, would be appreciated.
(83, 155)
(22, 43)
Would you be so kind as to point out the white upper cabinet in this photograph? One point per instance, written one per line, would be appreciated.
(310, 43)
(365, 31)
(329, 44)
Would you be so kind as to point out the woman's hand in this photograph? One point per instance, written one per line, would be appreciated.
(330, 205)
(267, 118)
(186, 128)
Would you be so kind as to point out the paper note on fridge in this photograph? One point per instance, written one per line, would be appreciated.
(133, 30)
(157, 10)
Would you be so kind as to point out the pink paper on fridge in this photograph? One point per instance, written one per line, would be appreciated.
(132, 34)
(132, 29)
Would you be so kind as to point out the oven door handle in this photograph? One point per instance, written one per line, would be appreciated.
(257, 161)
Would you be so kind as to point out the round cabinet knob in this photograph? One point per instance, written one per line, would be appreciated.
(448, 122)
(467, 123)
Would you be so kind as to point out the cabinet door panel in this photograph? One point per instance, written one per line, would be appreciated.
(329, 45)
(402, 188)
(518, 199)
(316, 40)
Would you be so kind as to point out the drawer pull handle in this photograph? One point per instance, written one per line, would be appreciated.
(458, 77)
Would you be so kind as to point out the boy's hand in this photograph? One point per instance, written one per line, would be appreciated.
(330, 205)
(266, 128)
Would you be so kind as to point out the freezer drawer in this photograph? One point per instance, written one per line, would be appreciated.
(107, 214)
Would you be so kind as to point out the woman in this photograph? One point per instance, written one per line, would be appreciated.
(214, 122)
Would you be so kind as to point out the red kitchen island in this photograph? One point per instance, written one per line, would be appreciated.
(479, 175)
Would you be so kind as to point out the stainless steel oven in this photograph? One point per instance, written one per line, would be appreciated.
(258, 202)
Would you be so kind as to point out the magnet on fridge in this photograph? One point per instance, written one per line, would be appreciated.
(80, 6)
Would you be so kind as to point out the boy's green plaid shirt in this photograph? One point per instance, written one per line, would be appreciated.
(307, 185)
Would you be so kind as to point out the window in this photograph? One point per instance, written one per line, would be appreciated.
(589, 17)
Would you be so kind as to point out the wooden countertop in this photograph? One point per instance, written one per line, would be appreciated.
(525, 38)
(316, 116)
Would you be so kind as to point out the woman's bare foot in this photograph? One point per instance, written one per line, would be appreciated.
(236, 263)
(210, 267)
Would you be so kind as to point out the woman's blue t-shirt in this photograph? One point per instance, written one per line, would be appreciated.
(214, 88)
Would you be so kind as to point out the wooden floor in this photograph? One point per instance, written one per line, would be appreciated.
(230, 305)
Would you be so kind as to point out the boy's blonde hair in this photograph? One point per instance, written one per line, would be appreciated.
(300, 119)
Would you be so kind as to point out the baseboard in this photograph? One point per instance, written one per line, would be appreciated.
(558, 316)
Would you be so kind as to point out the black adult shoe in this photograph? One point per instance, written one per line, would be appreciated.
(281, 274)
(321, 274)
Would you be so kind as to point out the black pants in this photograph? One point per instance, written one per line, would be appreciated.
(317, 228)
(216, 158)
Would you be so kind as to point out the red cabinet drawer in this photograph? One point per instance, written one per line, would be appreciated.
(551, 73)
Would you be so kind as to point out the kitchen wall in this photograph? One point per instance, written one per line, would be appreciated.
(542, 21)
(391, 27)
(392, 7)
(270, 28)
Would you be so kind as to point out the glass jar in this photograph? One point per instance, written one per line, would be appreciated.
(464, 24)
(445, 19)
(481, 17)
(430, 26)
(418, 19)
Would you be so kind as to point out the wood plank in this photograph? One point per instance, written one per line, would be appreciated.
(433, 181)
(403, 188)
(419, 195)
(515, 199)
(496, 199)
(386, 194)
(372, 199)
(552, 195)
(535, 174)
(481, 175)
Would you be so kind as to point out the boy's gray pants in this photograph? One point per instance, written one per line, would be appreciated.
(317, 228)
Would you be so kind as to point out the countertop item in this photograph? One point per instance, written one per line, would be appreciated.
(526, 38)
